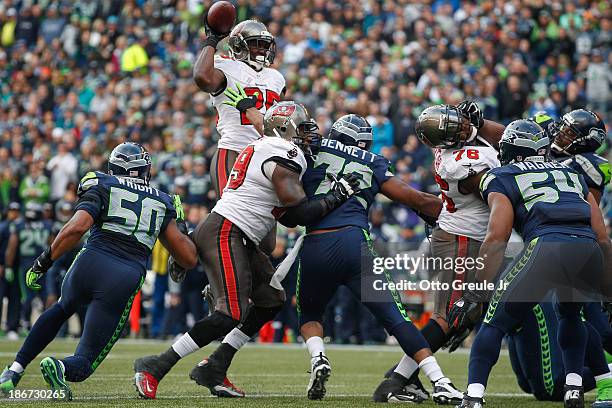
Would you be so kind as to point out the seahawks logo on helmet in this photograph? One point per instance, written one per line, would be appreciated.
(352, 130)
(130, 160)
(523, 140)
(579, 131)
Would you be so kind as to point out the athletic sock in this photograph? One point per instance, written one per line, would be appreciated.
(236, 338)
(475, 390)
(434, 335)
(316, 347)
(406, 367)
(181, 348)
(573, 379)
(16, 367)
(431, 369)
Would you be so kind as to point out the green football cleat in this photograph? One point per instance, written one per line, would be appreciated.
(53, 373)
(604, 394)
(9, 380)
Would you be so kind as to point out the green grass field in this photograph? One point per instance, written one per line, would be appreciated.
(271, 376)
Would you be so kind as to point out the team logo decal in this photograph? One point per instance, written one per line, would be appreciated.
(292, 154)
(284, 110)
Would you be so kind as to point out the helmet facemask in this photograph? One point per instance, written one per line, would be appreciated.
(307, 138)
(444, 127)
(461, 127)
(257, 51)
(567, 138)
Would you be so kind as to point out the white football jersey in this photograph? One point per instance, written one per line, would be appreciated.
(249, 198)
(463, 214)
(235, 129)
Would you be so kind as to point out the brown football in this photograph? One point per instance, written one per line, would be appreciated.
(221, 16)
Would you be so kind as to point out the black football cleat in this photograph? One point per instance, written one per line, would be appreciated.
(391, 390)
(573, 396)
(210, 375)
(471, 402)
(319, 374)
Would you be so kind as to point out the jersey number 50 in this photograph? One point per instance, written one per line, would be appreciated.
(266, 100)
(143, 224)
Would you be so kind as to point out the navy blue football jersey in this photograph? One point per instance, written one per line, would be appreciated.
(128, 216)
(594, 168)
(547, 197)
(33, 239)
(338, 159)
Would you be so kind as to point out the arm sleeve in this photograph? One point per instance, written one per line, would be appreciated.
(596, 173)
(382, 170)
(90, 201)
(491, 183)
(169, 215)
(305, 213)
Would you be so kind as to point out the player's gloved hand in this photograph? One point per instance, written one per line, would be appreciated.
(9, 274)
(341, 189)
(471, 110)
(456, 338)
(207, 294)
(465, 310)
(41, 265)
(180, 214)
(212, 37)
(239, 99)
(178, 207)
(177, 272)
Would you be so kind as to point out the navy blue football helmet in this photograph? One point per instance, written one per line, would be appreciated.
(352, 130)
(523, 139)
(130, 160)
(579, 131)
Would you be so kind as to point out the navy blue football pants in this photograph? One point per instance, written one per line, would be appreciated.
(553, 262)
(346, 257)
(536, 358)
(108, 285)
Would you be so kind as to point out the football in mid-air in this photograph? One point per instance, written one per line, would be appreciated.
(221, 16)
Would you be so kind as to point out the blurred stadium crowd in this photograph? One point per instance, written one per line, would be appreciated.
(79, 77)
